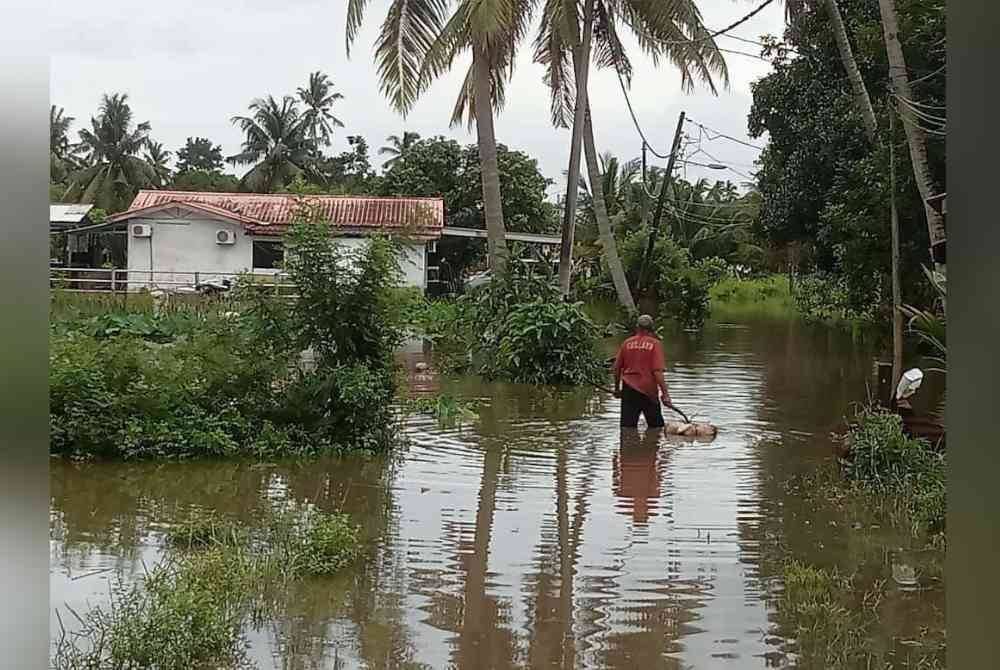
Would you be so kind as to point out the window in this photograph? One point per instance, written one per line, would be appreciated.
(268, 255)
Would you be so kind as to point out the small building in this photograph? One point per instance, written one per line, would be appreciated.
(178, 238)
(64, 217)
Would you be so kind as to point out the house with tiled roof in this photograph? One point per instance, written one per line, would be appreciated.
(177, 234)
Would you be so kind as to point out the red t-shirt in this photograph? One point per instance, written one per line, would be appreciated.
(638, 358)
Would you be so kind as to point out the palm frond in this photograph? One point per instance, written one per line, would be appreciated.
(410, 29)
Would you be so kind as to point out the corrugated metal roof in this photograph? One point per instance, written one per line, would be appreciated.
(271, 213)
(68, 213)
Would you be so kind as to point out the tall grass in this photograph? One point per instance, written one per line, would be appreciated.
(763, 297)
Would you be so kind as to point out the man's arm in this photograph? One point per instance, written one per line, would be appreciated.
(661, 381)
(617, 370)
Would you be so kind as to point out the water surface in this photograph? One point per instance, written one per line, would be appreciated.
(541, 536)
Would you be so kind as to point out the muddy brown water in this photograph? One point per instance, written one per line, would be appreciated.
(540, 536)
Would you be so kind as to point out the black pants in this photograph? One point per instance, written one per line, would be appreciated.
(635, 403)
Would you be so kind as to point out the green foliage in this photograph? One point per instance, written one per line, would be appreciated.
(681, 287)
(448, 410)
(187, 613)
(763, 296)
(199, 154)
(883, 458)
(546, 342)
(518, 328)
(329, 542)
(832, 625)
(191, 609)
(820, 181)
(112, 171)
(828, 297)
(441, 167)
(182, 384)
(929, 326)
(204, 180)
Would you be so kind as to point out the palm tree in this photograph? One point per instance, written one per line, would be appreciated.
(397, 146)
(318, 97)
(419, 42)
(158, 158)
(62, 153)
(915, 137)
(671, 30)
(278, 144)
(862, 101)
(114, 171)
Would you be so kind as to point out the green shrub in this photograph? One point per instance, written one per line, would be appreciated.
(187, 613)
(823, 297)
(196, 381)
(885, 460)
(330, 542)
(518, 328)
(681, 288)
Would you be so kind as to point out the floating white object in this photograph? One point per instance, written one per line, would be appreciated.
(909, 383)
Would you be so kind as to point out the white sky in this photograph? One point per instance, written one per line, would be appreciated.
(189, 65)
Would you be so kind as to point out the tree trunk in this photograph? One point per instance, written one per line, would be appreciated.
(861, 99)
(490, 171)
(581, 60)
(914, 135)
(605, 233)
(897, 299)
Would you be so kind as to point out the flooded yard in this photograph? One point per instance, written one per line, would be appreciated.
(540, 535)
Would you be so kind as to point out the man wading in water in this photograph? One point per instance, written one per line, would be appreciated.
(640, 365)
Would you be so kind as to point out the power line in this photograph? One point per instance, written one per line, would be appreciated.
(719, 134)
(925, 116)
(916, 125)
(918, 104)
(635, 121)
(712, 35)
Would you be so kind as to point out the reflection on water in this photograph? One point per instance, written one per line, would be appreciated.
(542, 536)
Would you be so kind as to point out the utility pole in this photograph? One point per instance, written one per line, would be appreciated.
(897, 299)
(661, 200)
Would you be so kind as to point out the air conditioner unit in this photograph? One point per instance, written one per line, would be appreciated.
(142, 230)
(225, 237)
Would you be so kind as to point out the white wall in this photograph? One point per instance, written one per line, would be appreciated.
(188, 246)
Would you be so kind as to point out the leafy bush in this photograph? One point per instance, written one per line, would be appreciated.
(518, 328)
(681, 288)
(189, 384)
(824, 297)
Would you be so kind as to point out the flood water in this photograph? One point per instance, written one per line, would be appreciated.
(540, 536)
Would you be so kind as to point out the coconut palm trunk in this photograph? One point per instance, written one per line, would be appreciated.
(605, 233)
(486, 137)
(915, 138)
(581, 60)
(861, 99)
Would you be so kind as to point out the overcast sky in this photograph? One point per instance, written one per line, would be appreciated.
(190, 65)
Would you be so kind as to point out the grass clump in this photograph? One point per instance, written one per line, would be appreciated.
(448, 410)
(833, 625)
(187, 613)
(884, 460)
(191, 610)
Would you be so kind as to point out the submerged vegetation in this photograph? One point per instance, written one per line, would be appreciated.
(216, 577)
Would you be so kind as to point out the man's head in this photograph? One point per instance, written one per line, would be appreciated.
(645, 323)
